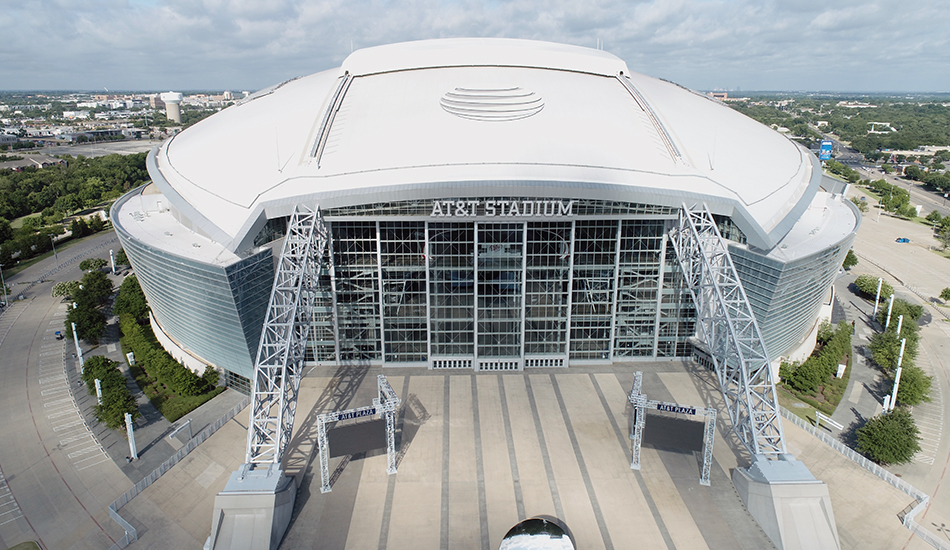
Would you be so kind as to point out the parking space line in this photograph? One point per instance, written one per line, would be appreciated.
(104, 459)
(62, 427)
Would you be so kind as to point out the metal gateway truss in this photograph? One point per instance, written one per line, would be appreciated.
(280, 356)
(638, 423)
(385, 404)
(730, 331)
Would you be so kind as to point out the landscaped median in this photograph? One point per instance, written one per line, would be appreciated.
(171, 387)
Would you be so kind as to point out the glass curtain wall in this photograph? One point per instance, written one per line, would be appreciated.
(452, 290)
(641, 247)
(595, 260)
(402, 255)
(548, 262)
(500, 275)
(356, 279)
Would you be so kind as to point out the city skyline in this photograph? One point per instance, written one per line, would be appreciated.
(130, 45)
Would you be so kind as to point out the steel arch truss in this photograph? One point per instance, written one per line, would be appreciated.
(730, 331)
(280, 356)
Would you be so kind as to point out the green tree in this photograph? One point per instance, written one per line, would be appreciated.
(945, 294)
(914, 386)
(850, 260)
(6, 232)
(90, 323)
(862, 205)
(79, 228)
(891, 438)
(885, 348)
(65, 289)
(117, 400)
(121, 258)
(210, 376)
(92, 264)
(130, 300)
(934, 217)
(944, 236)
(867, 284)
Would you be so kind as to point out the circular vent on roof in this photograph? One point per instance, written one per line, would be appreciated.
(496, 104)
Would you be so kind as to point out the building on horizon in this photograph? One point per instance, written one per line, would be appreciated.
(493, 204)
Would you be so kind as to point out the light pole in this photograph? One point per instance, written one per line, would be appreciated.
(55, 257)
(4, 284)
(890, 306)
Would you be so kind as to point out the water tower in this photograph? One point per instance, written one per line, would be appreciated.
(172, 110)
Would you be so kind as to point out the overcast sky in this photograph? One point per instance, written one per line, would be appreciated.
(840, 45)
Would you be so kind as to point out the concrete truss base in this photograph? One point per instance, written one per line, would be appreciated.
(253, 511)
(791, 506)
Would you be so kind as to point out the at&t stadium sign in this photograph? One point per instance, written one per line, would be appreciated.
(502, 209)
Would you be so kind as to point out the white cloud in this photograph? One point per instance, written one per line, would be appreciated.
(215, 44)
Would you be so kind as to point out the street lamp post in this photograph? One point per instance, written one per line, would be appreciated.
(3, 283)
(51, 240)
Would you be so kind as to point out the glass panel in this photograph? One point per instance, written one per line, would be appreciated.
(500, 265)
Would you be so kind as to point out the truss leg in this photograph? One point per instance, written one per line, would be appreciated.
(324, 456)
(709, 438)
(391, 443)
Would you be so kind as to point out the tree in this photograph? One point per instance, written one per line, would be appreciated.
(90, 323)
(891, 438)
(92, 264)
(121, 258)
(211, 376)
(117, 400)
(867, 284)
(862, 205)
(79, 228)
(934, 217)
(944, 236)
(885, 349)
(850, 260)
(65, 289)
(945, 294)
(131, 300)
(914, 386)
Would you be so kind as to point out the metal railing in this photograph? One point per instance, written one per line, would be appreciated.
(130, 532)
(921, 499)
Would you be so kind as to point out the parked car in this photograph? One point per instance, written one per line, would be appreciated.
(903, 240)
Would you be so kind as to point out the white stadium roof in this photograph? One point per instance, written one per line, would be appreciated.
(480, 117)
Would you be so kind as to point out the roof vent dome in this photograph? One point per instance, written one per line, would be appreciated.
(492, 104)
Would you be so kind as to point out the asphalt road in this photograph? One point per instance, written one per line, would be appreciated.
(57, 475)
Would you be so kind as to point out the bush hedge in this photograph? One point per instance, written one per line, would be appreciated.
(150, 356)
(822, 365)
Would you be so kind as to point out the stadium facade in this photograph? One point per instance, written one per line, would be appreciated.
(493, 204)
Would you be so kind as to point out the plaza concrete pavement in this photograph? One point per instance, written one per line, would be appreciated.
(479, 452)
(59, 469)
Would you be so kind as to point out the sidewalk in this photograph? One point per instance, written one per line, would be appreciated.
(152, 429)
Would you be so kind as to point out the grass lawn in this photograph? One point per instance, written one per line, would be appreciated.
(29, 545)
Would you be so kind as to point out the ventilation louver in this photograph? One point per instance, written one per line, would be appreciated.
(493, 105)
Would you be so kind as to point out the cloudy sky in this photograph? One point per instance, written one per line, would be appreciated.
(841, 45)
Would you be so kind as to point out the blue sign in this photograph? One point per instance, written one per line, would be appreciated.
(356, 414)
(675, 408)
(825, 152)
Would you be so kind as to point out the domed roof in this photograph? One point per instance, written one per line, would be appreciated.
(475, 117)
